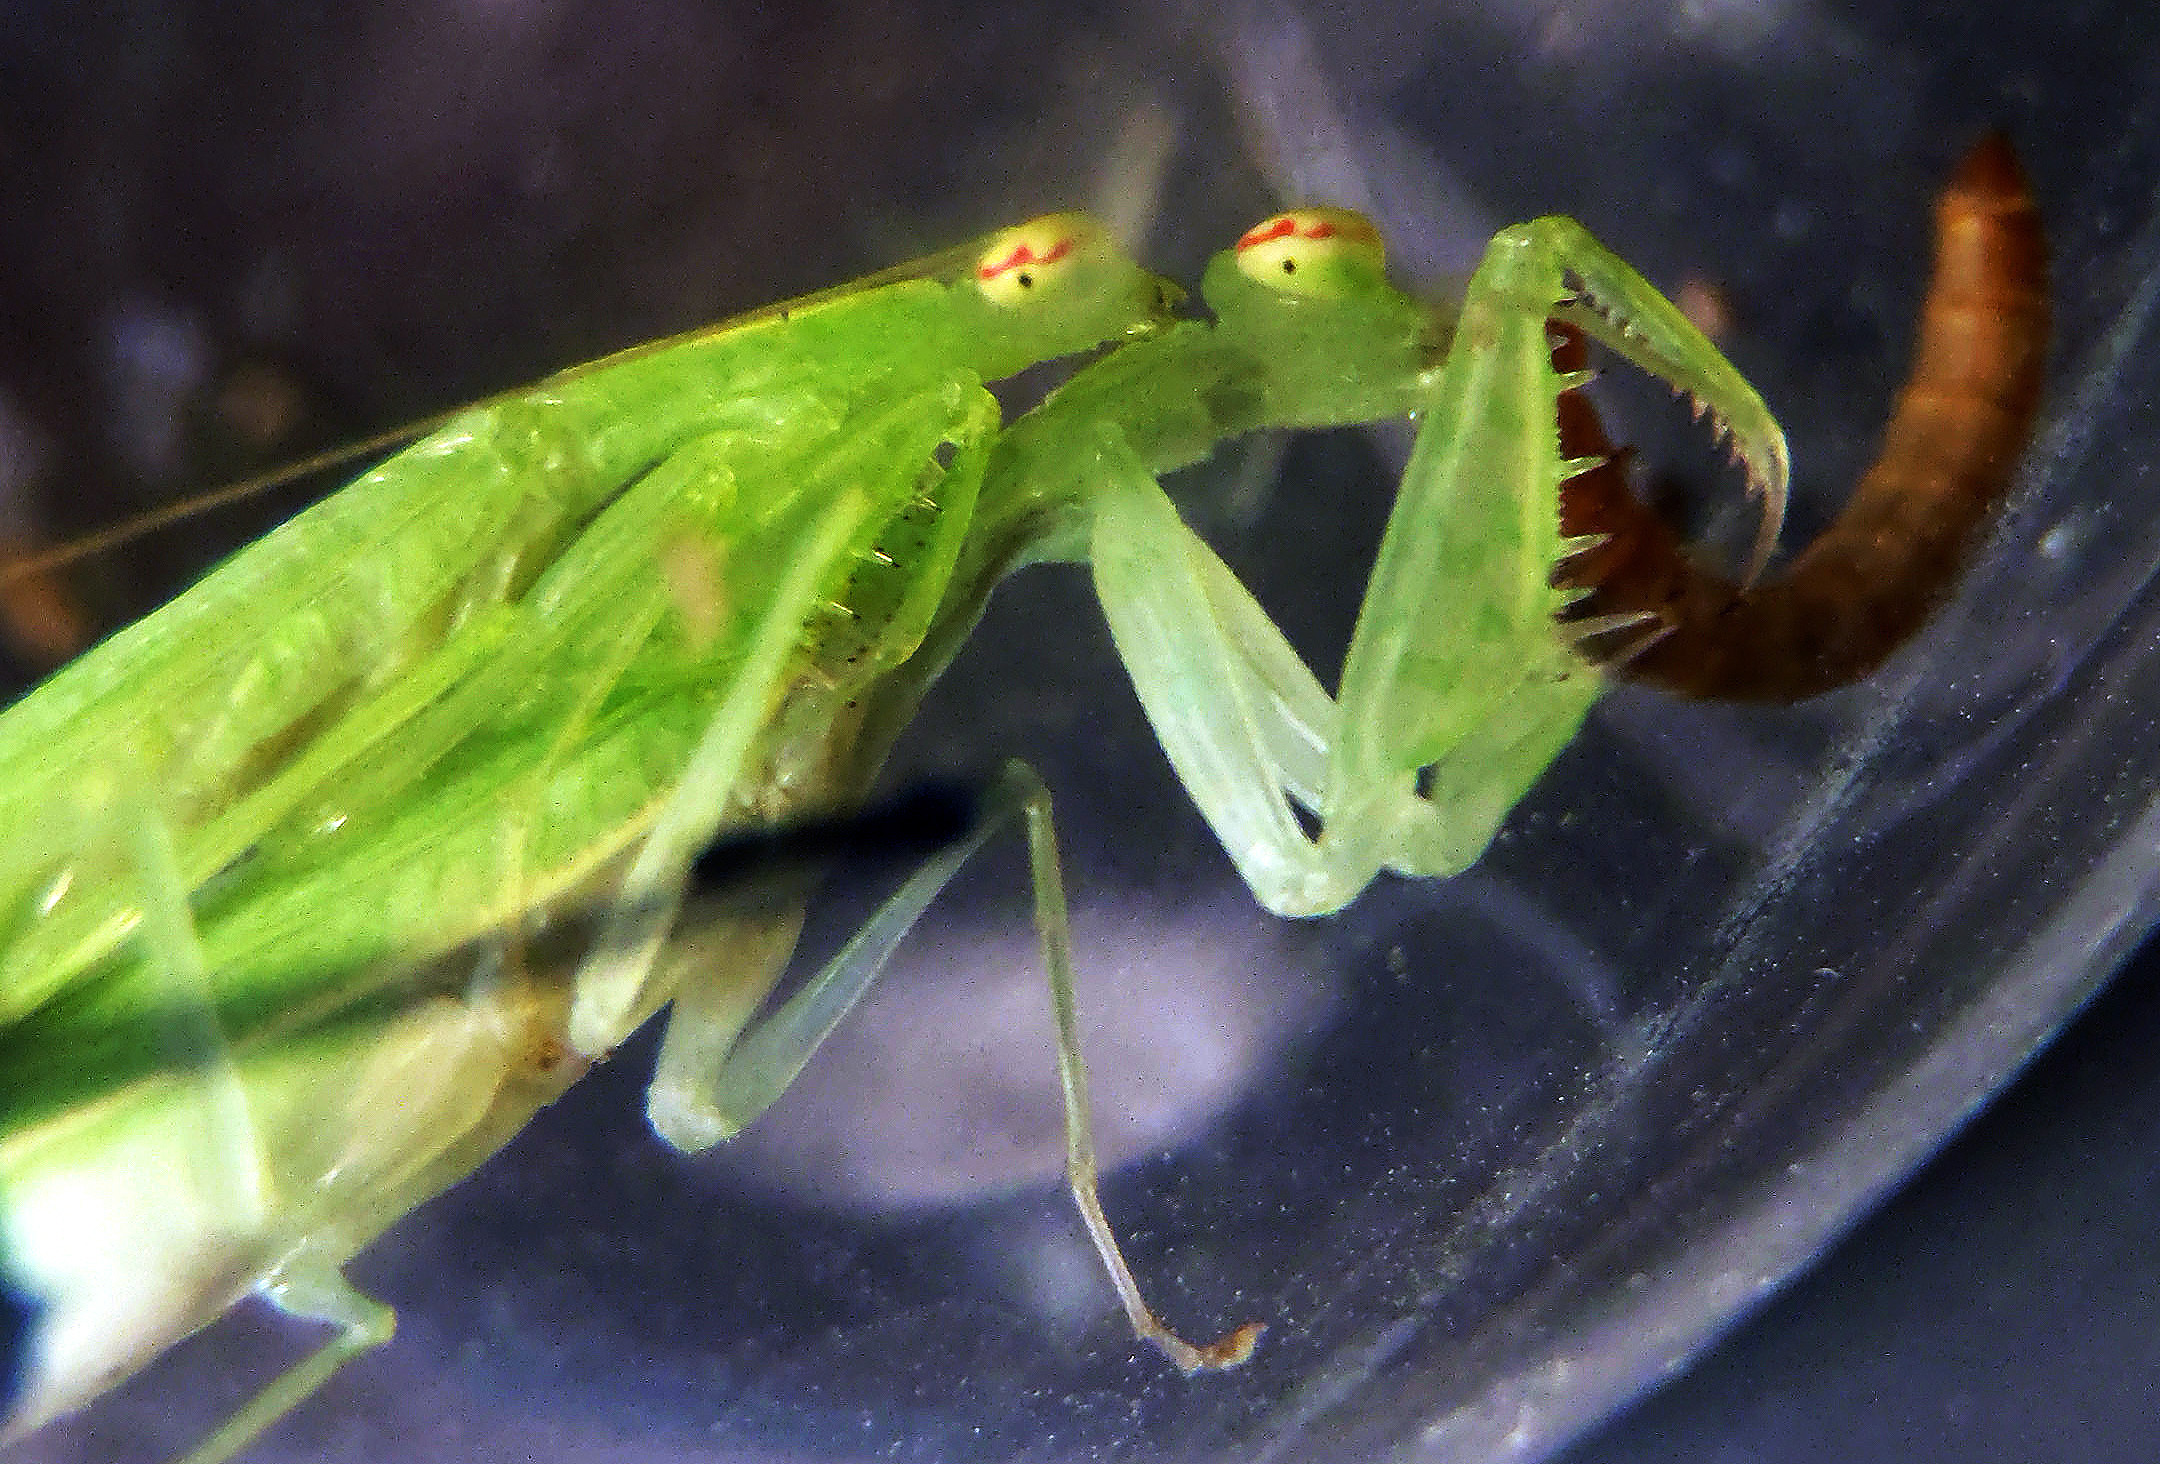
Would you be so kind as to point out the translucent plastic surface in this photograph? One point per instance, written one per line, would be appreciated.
(1490, 1156)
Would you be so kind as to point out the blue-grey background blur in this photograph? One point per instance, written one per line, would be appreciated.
(1491, 1156)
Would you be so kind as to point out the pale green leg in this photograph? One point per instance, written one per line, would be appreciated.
(169, 936)
(1245, 734)
(613, 989)
(363, 1324)
(228, 1144)
(1458, 612)
(716, 1073)
(1473, 789)
(1055, 929)
(1458, 689)
(727, 1079)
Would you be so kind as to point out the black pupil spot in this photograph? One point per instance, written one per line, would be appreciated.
(1025, 279)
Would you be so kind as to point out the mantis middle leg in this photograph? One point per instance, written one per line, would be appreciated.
(725, 1075)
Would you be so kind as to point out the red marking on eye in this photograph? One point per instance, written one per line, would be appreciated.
(1286, 226)
(1024, 254)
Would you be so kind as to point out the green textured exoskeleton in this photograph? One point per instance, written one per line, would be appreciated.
(275, 852)
(1457, 692)
(291, 862)
(1459, 688)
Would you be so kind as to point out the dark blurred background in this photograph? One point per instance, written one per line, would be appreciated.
(1492, 1156)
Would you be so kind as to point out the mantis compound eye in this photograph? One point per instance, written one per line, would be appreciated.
(1033, 258)
(1311, 251)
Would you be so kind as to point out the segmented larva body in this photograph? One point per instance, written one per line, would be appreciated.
(1893, 555)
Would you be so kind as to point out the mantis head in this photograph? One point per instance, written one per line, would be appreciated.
(1306, 292)
(1321, 253)
(1054, 286)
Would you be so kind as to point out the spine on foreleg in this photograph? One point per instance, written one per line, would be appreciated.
(1872, 579)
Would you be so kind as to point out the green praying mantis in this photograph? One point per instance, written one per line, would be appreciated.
(322, 879)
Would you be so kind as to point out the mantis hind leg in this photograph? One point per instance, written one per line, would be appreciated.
(1026, 791)
(363, 1324)
(227, 1146)
(714, 1076)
